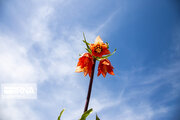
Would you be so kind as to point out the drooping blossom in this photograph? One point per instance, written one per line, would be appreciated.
(85, 64)
(99, 48)
(104, 67)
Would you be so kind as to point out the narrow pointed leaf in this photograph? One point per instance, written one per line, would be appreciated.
(98, 58)
(107, 45)
(97, 118)
(109, 54)
(87, 44)
(84, 36)
(84, 116)
(59, 118)
(88, 50)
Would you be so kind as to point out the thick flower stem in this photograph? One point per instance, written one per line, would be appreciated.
(90, 87)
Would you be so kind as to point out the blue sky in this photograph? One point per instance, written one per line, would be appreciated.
(40, 41)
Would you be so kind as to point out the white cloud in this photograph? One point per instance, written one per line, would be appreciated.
(139, 112)
(17, 110)
(52, 66)
(14, 63)
(139, 88)
(20, 62)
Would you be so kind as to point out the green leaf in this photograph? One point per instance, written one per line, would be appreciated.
(98, 58)
(87, 44)
(89, 50)
(85, 114)
(59, 118)
(84, 36)
(107, 45)
(97, 118)
(109, 54)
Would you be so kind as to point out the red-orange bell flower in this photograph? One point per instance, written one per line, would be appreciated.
(104, 67)
(99, 48)
(85, 64)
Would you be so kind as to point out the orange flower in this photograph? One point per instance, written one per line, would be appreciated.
(104, 67)
(85, 64)
(99, 48)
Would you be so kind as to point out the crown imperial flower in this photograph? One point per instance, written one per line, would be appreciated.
(85, 64)
(105, 67)
(97, 51)
(99, 48)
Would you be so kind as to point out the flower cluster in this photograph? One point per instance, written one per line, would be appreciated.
(97, 51)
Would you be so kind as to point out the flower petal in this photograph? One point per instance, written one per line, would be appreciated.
(105, 67)
(78, 69)
(85, 64)
(111, 72)
(99, 48)
(98, 40)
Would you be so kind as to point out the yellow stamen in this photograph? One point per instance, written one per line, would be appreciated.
(98, 49)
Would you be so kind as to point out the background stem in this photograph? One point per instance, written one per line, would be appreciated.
(90, 87)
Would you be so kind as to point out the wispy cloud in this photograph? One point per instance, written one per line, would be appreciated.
(45, 50)
(40, 56)
(140, 100)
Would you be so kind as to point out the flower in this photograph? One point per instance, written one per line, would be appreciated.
(99, 48)
(104, 67)
(85, 64)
